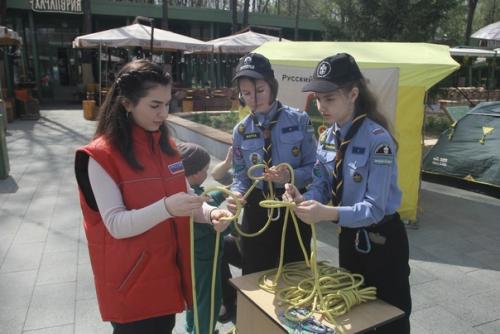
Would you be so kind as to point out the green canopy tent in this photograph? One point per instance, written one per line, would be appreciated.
(469, 151)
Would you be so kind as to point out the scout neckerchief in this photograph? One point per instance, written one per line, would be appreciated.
(341, 146)
(266, 133)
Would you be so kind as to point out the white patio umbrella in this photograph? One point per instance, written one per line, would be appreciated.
(135, 35)
(490, 32)
(9, 37)
(242, 42)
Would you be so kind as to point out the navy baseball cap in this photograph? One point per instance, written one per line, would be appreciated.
(255, 66)
(333, 72)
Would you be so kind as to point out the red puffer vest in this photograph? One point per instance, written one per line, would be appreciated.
(147, 275)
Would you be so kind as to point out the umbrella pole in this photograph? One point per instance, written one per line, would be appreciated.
(100, 76)
(152, 39)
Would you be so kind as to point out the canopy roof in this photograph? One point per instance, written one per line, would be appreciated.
(140, 35)
(490, 32)
(242, 43)
(420, 64)
(9, 37)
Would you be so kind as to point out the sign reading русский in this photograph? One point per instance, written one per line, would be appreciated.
(57, 6)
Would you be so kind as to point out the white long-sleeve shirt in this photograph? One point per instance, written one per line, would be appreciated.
(123, 223)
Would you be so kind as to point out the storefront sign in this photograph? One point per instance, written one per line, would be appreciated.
(57, 6)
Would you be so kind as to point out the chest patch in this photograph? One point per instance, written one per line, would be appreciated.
(358, 150)
(290, 129)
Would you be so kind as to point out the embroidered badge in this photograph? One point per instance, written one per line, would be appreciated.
(241, 129)
(251, 135)
(358, 150)
(323, 69)
(357, 177)
(290, 129)
(176, 168)
(295, 151)
(255, 158)
(383, 149)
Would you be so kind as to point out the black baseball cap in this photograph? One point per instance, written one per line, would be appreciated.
(333, 72)
(255, 66)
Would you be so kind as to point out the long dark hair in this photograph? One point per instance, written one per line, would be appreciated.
(366, 103)
(133, 82)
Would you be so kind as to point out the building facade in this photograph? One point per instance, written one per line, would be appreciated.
(48, 27)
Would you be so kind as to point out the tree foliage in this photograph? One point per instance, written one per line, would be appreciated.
(385, 20)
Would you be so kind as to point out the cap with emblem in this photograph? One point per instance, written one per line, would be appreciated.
(333, 72)
(255, 66)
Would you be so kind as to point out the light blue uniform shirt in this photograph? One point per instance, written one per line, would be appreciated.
(292, 140)
(369, 173)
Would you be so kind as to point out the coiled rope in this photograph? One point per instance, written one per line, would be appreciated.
(310, 285)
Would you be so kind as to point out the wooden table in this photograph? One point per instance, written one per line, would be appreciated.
(257, 311)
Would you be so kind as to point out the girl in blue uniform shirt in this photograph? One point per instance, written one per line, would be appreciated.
(271, 134)
(356, 170)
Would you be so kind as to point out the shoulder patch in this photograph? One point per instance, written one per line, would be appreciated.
(176, 167)
(383, 149)
(378, 131)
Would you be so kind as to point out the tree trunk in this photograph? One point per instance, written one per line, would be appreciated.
(234, 16)
(164, 17)
(297, 13)
(87, 17)
(470, 17)
(3, 11)
(246, 7)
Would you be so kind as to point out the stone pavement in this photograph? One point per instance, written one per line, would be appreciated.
(45, 276)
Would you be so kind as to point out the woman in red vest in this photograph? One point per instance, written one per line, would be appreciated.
(136, 206)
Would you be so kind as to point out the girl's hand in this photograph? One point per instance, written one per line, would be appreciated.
(312, 212)
(216, 216)
(279, 174)
(292, 194)
(231, 203)
(184, 204)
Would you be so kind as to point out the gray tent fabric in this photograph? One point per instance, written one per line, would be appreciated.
(470, 149)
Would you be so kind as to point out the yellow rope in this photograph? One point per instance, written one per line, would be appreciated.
(314, 286)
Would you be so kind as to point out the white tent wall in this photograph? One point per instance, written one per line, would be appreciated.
(291, 79)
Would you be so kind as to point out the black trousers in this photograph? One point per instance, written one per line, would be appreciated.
(384, 267)
(231, 256)
(158, 325)
(263, 252)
